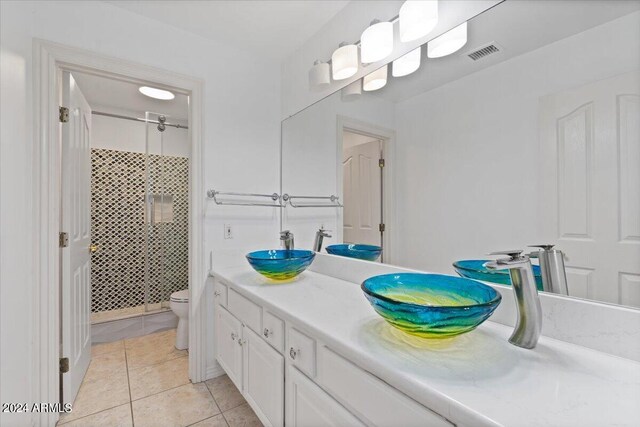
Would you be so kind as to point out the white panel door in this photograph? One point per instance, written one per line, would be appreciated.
(228, 345)
(309, 406)
(361, 193)
(263, 379)
(76, 221)
(590, 187)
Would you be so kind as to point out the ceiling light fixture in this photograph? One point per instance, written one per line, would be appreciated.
(376, 42)
(406, 64)
(375, 80)
(417, 19)
(319, 75)
(156, 93)
(344, 61)
(448, 43)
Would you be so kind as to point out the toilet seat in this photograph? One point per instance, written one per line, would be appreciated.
(180, 296)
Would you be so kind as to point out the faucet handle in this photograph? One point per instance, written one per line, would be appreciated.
(513, 253)
(543, 247)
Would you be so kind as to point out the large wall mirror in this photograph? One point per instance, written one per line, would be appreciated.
(529, 134)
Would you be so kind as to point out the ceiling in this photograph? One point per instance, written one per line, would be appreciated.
(272, 29)
(517, 27)
(122, 97)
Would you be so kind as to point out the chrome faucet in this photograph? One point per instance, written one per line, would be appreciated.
(320, 235)
(554, 274)
(286, 239)
(529, 322)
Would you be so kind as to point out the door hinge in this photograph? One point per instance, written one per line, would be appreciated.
(381, 163)
(381, 227)
(64, 365)
(64, 114)
(63, 239)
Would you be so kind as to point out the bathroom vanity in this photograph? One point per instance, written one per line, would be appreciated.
(313, 352)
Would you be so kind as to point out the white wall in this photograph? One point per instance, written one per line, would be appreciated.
(347, 26)
(241, 137)
(467, 151)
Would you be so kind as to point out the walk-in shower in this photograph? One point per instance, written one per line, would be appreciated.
(139, 216)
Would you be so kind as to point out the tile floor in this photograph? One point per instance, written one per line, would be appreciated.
(144, 382)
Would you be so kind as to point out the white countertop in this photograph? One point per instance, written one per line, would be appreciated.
(474, 379)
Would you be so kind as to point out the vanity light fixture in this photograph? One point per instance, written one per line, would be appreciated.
(448, 43)
(156, 93)
(319, 75)
(344, 61)
(375, 80)
(417, 19)
(376, 42)
(407, 64)
(352, 91)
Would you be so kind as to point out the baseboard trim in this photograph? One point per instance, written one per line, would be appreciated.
(214, 371)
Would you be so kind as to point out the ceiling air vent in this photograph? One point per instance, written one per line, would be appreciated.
(484, 51)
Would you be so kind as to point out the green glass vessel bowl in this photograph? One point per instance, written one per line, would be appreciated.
(475, 269)
(280, 264)
(431, 305)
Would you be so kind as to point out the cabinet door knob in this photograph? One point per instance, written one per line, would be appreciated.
(240, 342)
(266, 332)
(293, 353)
(216, 293)
(233, 336)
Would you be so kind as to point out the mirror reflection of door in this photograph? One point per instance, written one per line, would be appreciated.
(591, 186)
(362, 186)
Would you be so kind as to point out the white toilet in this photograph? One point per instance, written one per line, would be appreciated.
(179, 303)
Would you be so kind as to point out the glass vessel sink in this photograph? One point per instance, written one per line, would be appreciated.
(366, 252)
(431, 305)
(280, 264)
(474, 269)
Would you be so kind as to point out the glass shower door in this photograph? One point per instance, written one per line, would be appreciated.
(166, 214)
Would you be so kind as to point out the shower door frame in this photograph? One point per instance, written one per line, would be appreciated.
(49, 59)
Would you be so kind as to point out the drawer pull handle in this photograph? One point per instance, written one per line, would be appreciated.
(233, 336)
(216, 294)
(266, 332)
(293, 353)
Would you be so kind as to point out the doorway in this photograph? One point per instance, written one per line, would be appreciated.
(362, 189)
(50, 61)
(124, 216)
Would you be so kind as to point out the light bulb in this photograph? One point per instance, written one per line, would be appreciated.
(448, 43)
(417, 19)
(344, 61)
(375, 80)
(319, 75)
(376, 42)
(406, 64)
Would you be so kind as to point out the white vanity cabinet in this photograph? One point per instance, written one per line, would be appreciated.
(254, 366)
(255, 347)
(308, 405)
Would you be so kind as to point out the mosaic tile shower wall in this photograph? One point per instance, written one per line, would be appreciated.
(119, 229)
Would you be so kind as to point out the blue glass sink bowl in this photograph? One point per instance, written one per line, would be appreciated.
(366, 252)
(474, 269)
(431, 305)
(280, 264)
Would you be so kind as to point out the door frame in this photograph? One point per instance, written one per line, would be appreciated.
(388, 138)
(49, 59)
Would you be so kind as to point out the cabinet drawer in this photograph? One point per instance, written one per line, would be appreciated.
(247, 311)
(302, 351)
(220, 293)
(273, 330)
(369, 397)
